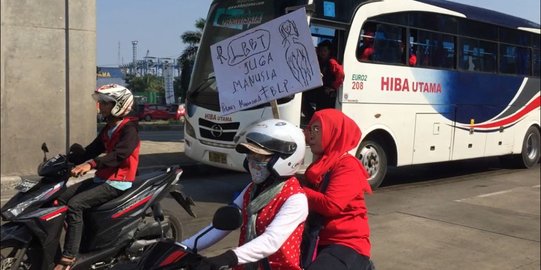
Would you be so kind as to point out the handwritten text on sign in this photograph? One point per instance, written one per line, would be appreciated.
(268, 62)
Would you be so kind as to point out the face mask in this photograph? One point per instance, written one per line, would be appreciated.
(258, 170)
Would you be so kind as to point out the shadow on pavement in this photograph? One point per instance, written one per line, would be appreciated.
(433, 171)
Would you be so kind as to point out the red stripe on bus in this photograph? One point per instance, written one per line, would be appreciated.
(530, 107)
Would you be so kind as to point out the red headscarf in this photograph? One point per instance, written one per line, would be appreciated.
(339, 134)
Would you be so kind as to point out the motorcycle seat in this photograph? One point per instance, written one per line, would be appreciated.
(141, 182)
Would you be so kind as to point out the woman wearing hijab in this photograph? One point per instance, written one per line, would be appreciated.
(335, 185)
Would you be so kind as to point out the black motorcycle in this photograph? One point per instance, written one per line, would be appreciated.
(168, 254)
(117, 231)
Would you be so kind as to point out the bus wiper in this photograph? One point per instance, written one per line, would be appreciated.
(200, 86)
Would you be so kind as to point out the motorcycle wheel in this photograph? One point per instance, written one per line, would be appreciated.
(15, 255)
(175, 226)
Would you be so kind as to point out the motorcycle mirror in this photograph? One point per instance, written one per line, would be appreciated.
(45, 150)
(227, 218)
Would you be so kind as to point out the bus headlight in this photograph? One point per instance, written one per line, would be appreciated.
(189, 129)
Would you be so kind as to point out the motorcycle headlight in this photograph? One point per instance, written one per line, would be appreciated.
(19, 208)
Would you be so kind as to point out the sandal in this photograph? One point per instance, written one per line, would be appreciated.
(65, 263)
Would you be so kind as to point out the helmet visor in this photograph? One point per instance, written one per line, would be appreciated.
(273, 144)
(99, 97)
(248, 147)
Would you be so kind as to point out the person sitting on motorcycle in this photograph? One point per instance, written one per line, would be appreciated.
(274, 206)
(115, 171)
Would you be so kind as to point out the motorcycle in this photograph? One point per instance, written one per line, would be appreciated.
(168, 254)
(116, 231)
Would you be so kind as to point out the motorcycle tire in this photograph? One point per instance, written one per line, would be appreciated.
(14, 255)
(175, 226)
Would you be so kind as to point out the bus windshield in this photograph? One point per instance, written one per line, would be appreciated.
(225, 19)
(228, 18)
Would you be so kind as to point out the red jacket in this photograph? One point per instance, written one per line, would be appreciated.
(342, 204)
(121, 150)
(333, 74)
(343, 207)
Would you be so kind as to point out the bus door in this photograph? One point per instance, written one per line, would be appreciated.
(336, 35)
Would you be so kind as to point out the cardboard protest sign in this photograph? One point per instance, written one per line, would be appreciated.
(265, 63)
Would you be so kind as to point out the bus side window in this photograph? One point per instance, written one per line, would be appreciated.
(435, 50)
(514, 60)
(478, 55)
(489, 53)
(387, 44)
(536, 59)
(365, 48)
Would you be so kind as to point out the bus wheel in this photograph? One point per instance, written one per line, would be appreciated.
(530, 149)
(374, 160)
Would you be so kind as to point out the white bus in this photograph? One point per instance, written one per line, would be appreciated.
(445, 81)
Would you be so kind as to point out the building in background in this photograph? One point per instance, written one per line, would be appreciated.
(108, 75)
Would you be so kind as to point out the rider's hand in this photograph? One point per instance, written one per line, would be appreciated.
(80, 170)
(222, 261)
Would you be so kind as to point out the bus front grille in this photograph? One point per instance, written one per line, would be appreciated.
(218, 131)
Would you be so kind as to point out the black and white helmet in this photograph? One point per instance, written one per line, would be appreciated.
(120, 95)
(279, 138)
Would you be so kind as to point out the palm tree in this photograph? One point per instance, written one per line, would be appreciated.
(187, 58)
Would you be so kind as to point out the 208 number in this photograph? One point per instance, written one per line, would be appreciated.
(357, 86)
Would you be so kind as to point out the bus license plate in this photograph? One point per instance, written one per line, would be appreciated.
(218, 157)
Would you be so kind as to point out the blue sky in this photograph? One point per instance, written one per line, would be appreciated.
(158, 24)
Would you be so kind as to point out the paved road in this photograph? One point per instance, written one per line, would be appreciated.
(459, 215)
(487, 219)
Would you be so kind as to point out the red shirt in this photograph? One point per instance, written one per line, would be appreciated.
(343, 207)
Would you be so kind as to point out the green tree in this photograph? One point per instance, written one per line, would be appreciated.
(187, 58)
(147, 83)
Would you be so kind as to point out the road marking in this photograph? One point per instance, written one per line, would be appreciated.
(486, 195)
(494, 193)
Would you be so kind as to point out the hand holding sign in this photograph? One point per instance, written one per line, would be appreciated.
(257, 66)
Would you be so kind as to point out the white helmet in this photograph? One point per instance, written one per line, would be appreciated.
(120, 95)
(279, 138)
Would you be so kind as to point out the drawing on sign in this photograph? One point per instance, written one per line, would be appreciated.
(256, 66)
(296, 54)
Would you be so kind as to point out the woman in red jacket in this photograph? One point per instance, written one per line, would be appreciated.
(336, 183)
